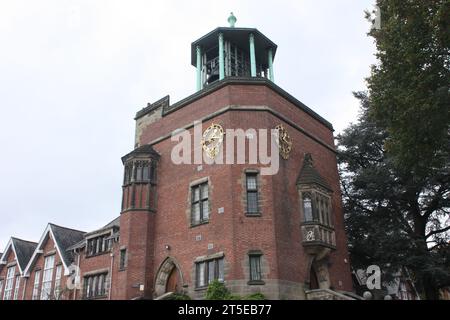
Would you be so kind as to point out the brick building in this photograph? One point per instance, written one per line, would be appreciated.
(183, 225)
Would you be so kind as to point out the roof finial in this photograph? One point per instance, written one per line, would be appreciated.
(232, 20)
(308, 159)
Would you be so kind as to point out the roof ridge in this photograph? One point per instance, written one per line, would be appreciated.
(14, 238)
(112, 220)
(55, 225)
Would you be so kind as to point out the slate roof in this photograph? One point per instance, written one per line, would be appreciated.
(115, 224)
(24, 250)
(146, 149)
(309, 174)
(66, 237)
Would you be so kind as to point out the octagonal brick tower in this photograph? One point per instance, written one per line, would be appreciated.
(281, 234)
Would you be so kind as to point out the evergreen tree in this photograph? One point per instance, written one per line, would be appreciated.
(395, 162)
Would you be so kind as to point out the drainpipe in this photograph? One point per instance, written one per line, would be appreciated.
(78, 268)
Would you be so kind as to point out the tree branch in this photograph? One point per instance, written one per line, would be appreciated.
(436, 232)
(435, 203)
(436, 246)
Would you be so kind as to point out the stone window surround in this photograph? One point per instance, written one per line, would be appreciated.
(107, 278)
(255, 253)
(244, 188)
(189, 201)
(206, 258)
(50, 253)
(124, 267)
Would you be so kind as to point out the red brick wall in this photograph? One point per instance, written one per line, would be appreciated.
(10, 259)
(49, 248)
(277, 231)
(147, 236)
(239, 95)
(136, 231)
(91, 264)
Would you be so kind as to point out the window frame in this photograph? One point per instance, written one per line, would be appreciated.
(16, 288)
(252, 256)
(321, 207)
(201, 201)
(122, 259)
(47, 277)
(218, 273)
(254, 191)
(98, 245)
(9, 283)
(58, 276)
(37, 279)
(307, 195)
(95, 286)
(1, 288)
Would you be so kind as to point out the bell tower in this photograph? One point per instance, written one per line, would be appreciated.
(232, 52)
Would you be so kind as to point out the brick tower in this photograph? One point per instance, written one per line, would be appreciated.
(184, 224)
(137, 221)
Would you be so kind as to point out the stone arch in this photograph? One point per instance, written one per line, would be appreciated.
(318, 270)
(167, 267)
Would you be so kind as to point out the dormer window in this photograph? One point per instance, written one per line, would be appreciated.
(98, 245)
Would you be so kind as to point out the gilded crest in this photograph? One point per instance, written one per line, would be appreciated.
(212, 140)
(284, 141)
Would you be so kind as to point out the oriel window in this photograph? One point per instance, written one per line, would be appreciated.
(307, 207)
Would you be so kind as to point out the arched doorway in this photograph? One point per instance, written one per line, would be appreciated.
(173, 281)
(168, 278)
(313, 281)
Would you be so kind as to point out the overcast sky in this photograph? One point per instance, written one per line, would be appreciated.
(73, 73)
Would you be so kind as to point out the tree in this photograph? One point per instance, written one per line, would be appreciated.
(395, 161)
(218, 291)
(387, 224)
(409, 87)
